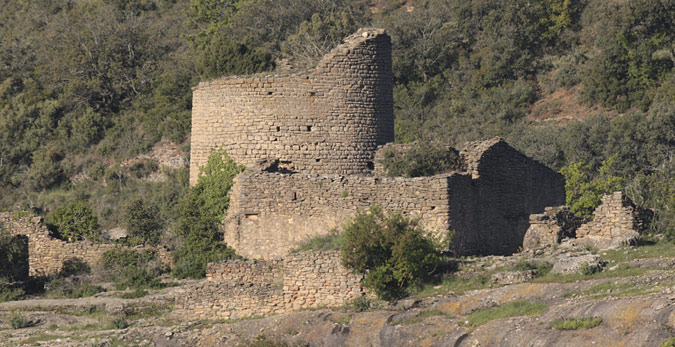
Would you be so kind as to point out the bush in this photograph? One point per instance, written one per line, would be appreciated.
(201, 212)
(8, 292)
(18, 321)
(541, 268)
(583, 192)
(360, 304)
(421, 159)
(120, 323)
(74, 267)
(142, 221)
(331, 241)
(131, 268)
(71, 288)
(73, 222)
(13, 256)
(390, 250)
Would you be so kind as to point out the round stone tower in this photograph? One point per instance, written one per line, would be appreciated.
(327, 121)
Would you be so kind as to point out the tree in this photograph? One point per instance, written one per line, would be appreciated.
(201, 212)
(73, 222)
(142, 220)
(583, 191)
(390, 250)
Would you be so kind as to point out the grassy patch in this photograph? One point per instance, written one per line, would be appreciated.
(18, 321)
(135, 294)
(577, 323)
(420, 317)
(35, 340)
(669, 343)
(511, 309)
(659, 250)
(452, 283)
(622, 270)
(611, 289)
(332, 241)
(541, 268)
(343, 320)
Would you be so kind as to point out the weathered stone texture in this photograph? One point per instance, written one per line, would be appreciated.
(550, 227)
(238, 288)
(272, 212)
(329, 120)
(616, 222)
(47, 254)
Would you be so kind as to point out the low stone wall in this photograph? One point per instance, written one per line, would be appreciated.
(238, 289)
(47, 254)
(616, 222)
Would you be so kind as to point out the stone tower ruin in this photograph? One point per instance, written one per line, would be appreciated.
(310, 141)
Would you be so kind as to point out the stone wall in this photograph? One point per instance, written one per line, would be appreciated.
(273, 212)
(550, 227)
(329, 120)
(47, 254)
(238, 289)
(616, 222)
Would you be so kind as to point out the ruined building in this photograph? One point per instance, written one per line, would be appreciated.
(310, 140)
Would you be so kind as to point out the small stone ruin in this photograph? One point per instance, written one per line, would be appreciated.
(616, 222)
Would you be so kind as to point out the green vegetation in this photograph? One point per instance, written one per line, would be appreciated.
(390, 250)
(541, 268)
(421, 159)
(577, 323)
(86, 87)
(511, 309)
(451, 283)
(17, 320)
(12, 257)
(669, 343)
(618, 289)
(331, 241)
(419, 317)
(133, 269)
(73, 222)
(200, 214)
(646, 251)
(360, 304)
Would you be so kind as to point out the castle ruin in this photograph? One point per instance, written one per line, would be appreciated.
(310, 141)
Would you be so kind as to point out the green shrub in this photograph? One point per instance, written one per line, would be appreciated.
(360, 304)
(73, 222)
(142, 221)
(9, 292)
(120, 323)
(132, 268)
(71, 288)
(201, 212)
(587, 269)
(135, 294)
(668, 343)
(420, 159)
(540, 268)
(577, 323)
(583, 192)
(74, 267)
(390, 250)
(18, 321)
(13, 255)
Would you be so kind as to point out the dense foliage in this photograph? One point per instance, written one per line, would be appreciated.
(73, 222)
(201, 212)
(420, 159)
(87, 87)
(390, 250)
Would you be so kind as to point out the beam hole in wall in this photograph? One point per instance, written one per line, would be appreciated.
(251, 216)
(309, 128)
(317, 160)
(371, 165)
(270, 93)
(278, 128)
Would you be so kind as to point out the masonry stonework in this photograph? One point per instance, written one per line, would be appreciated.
(328, 120)
(311, 142)
(47, 254)
(237, 289)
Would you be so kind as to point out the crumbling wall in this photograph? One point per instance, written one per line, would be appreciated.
(272, 212)
(550, 227)
(238, 289)
(616, 222)
(47, 254)
(328, 120)
(507, 187)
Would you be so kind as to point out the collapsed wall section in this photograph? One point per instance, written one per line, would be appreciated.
(328, 121)
(272, 212)
(47, 254)
(238, 289)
